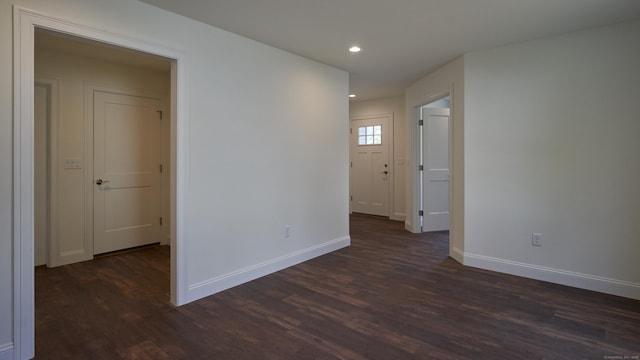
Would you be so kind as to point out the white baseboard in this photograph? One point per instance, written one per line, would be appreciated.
(224, 282)
(398, 216)
(558, 276)
(409, 226)
(6, 352)
(457, 255)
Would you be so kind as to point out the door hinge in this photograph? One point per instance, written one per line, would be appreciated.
(350, 163)
(421, 168)
(420, 213)
(351, 197)
(160, 113)
(420, 122)
(160, 167)
(160, 220)
(351, 131)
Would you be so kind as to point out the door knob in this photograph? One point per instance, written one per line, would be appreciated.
(100, 181)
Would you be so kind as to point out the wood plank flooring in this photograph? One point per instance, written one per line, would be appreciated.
(391, 295)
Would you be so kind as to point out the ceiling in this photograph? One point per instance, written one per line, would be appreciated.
(401, 40)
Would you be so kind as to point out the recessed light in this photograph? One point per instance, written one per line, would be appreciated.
(355, 49)
(352, 95)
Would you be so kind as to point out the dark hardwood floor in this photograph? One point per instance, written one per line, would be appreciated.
(391, 295)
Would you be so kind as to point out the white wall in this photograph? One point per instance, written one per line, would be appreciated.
(395, 107)
(74, 73)
(267, 144)
(551, 146)
(449, 79)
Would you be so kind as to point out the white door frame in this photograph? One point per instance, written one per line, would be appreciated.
(24, 23)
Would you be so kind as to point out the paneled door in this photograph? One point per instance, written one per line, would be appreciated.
(370, 168)
(126, 169)
(435, 180)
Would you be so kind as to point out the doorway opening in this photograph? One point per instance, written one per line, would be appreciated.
(26, 22)
(101, 153)
(434, 163)
(116, 133)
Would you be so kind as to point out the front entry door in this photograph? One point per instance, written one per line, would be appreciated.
(126, 171)
(370, 168)
(435, 181)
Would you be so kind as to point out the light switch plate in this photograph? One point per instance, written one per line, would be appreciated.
(72, 163)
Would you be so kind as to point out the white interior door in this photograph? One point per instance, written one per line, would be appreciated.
(435, 178)
(370, 168)
(126, 171)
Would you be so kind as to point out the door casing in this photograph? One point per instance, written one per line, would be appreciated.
(24, 23)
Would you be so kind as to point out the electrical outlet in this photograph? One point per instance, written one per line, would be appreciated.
(536, 239)
(287, 231)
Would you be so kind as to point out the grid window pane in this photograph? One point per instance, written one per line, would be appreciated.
(370, 135)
